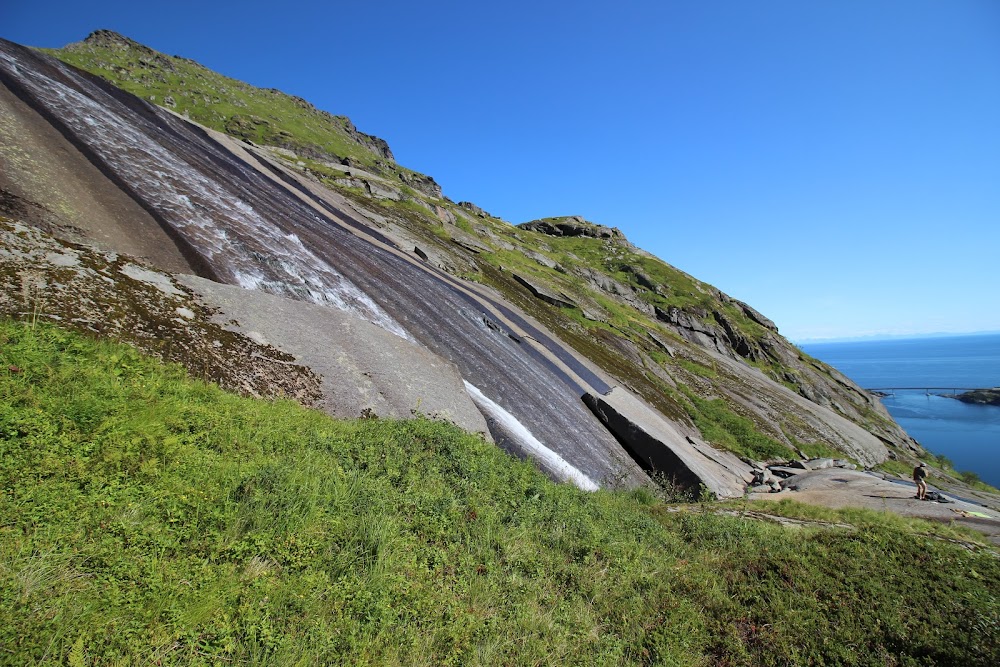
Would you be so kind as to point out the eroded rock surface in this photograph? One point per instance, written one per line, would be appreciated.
(363, 368)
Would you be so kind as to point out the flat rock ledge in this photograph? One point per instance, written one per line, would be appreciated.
(842, 487)
(658, 446)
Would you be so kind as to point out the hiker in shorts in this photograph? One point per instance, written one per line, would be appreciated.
(920, 477)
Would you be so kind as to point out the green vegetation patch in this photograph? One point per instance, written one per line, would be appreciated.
(723, 427)
(146, 517)
(262, 115)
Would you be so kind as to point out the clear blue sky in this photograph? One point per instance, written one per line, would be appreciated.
(834, 163)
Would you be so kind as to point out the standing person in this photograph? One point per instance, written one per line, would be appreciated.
(920, 477)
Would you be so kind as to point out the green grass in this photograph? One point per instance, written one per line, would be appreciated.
(263, 115)
(724, 428)
(146, 517)
(819, 450)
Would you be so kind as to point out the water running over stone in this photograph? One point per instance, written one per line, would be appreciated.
(254, 232)
(523, 442)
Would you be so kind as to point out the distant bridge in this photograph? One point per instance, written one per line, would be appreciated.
(892, 390)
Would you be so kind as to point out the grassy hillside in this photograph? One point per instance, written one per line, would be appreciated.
(146, 517)
(262, 115)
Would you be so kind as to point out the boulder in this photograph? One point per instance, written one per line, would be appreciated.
(786, 471)
(658, 446)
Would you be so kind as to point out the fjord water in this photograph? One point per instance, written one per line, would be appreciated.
(969, 435)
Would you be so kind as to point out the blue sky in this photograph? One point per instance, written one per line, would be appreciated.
(836, 164)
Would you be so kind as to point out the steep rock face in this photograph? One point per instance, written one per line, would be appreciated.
(46, 181)
(256, 227)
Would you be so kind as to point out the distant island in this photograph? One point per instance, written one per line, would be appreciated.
(980, 396)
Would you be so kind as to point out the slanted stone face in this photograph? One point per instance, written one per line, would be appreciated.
(661, 448)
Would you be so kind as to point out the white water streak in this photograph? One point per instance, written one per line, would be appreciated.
(222, 226)
(549, 460)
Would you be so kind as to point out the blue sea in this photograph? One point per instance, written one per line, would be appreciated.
(969, 435)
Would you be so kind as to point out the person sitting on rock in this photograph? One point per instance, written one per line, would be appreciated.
(920, 477)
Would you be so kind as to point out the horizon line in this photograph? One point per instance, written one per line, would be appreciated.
(888, 336)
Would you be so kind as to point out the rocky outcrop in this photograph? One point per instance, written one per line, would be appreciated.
(374, 144)
(615, 288)
(788, 416)
(573, 225)
(980, 396)
(380, 190)
(421, 183)
(660, 448)
(109, 39)
(712, 329)
(473, 209)
(691, 327)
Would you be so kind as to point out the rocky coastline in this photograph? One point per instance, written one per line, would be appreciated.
(979, 396)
